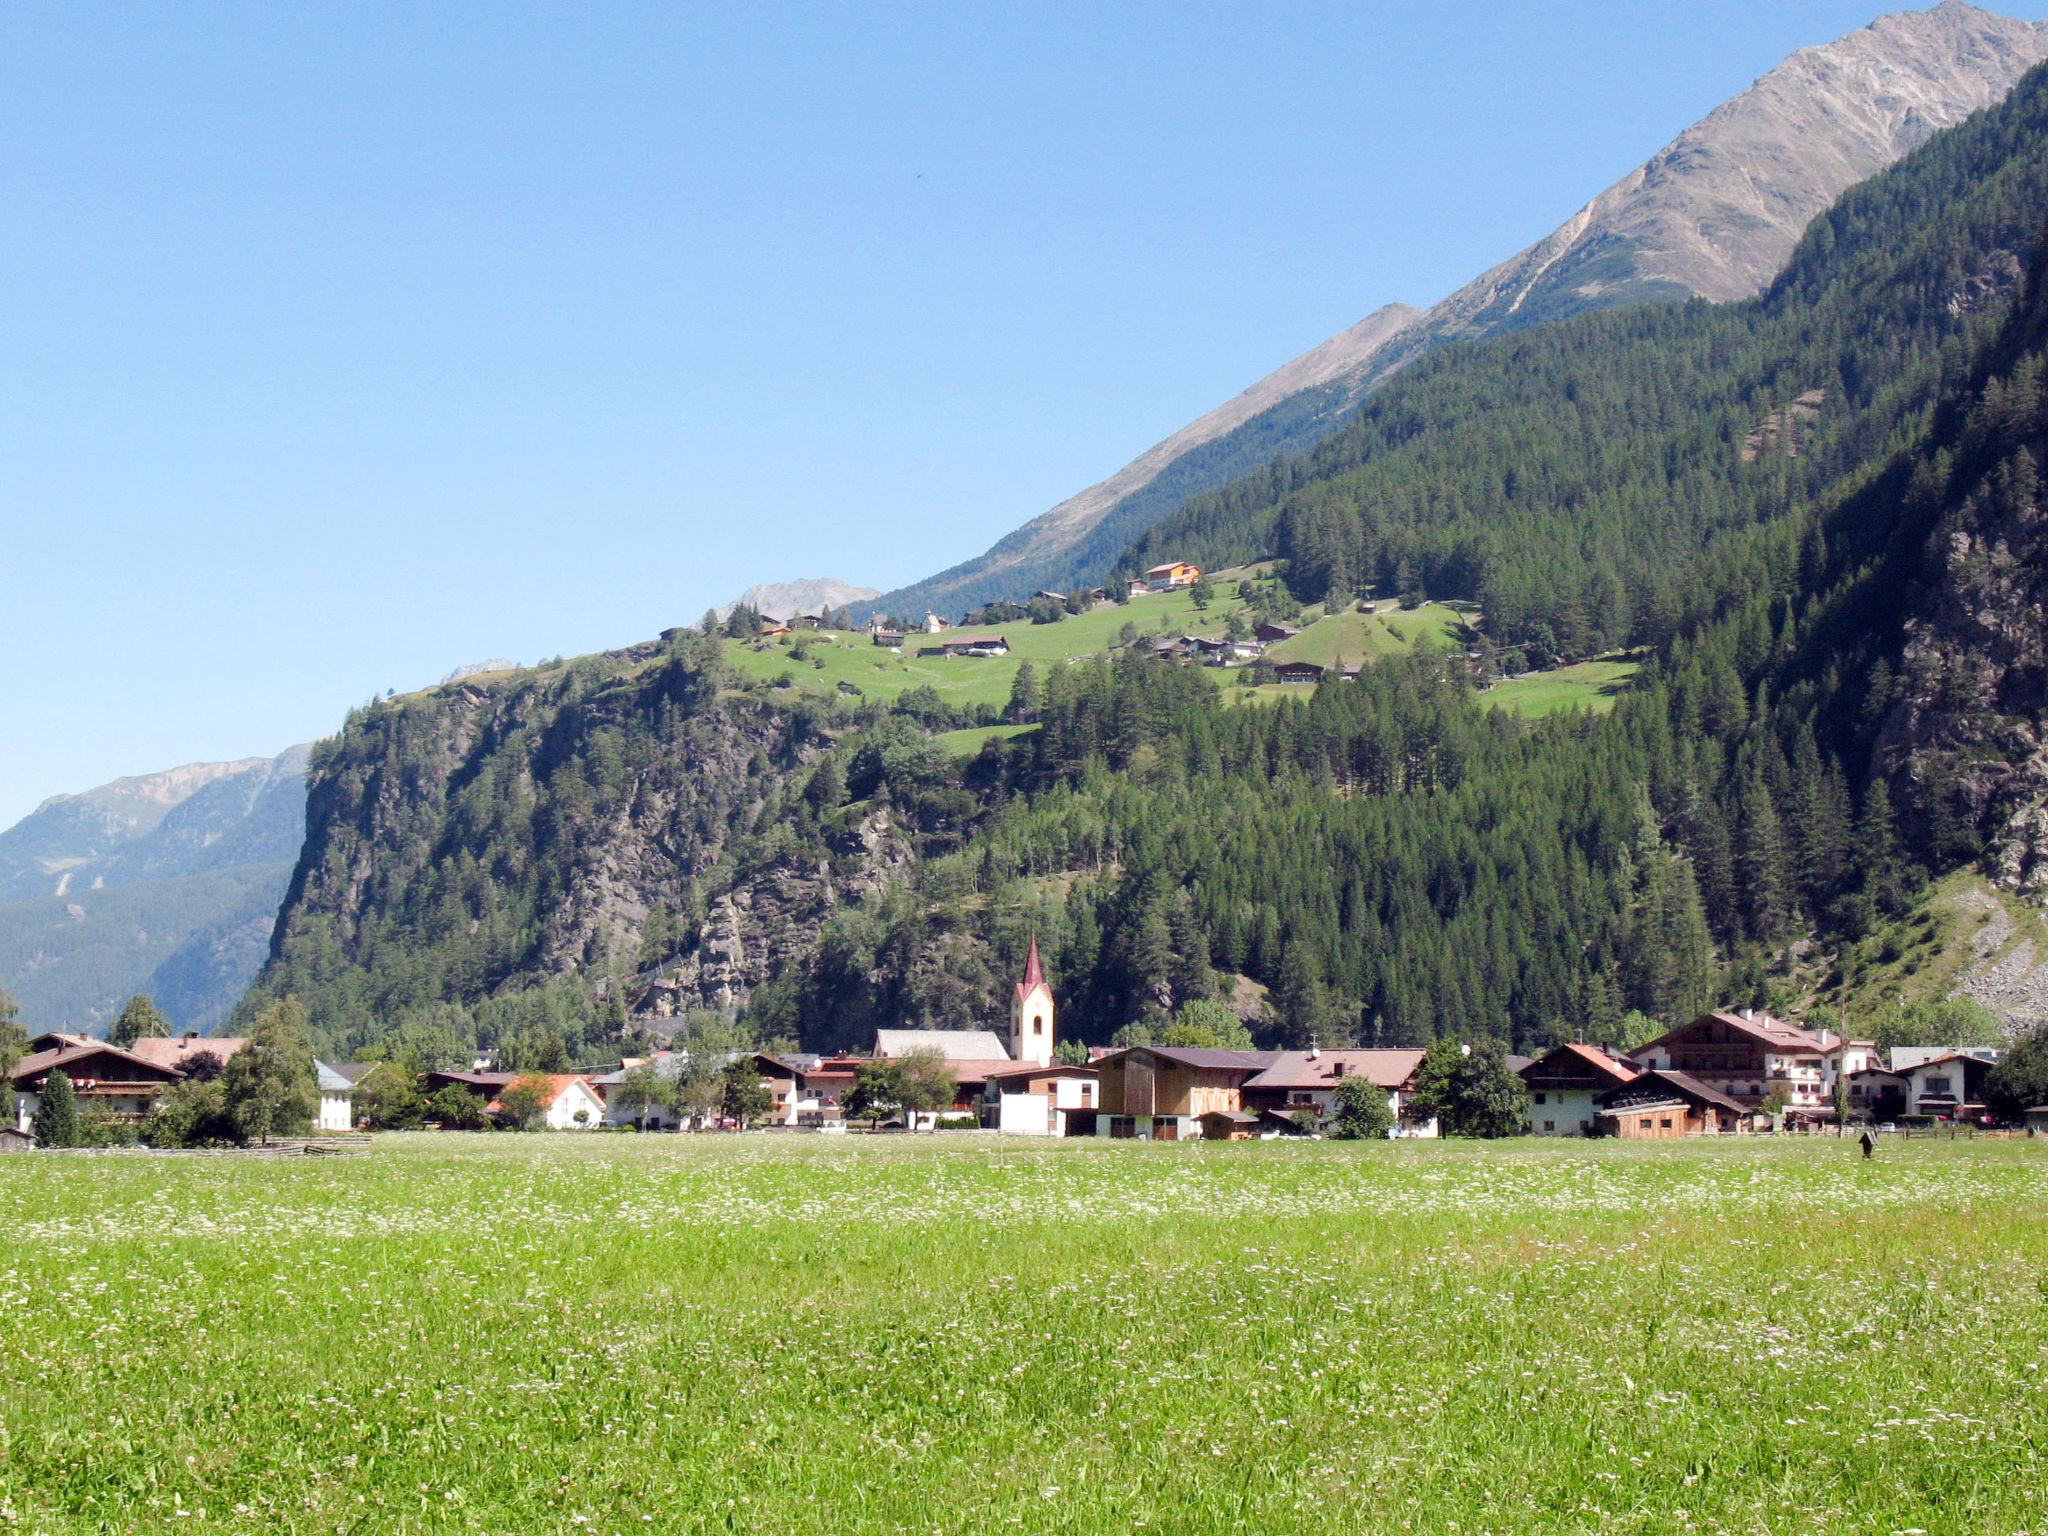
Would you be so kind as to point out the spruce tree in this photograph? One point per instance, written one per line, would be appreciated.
(57, 1112)
(139, 1020)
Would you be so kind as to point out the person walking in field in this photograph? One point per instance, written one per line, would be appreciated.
(1868, 1141)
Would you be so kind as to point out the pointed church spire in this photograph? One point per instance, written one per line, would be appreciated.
(1034, 975)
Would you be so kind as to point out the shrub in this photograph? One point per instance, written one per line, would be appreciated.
(1359, 1111)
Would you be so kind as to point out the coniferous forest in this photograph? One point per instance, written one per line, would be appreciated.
(1814, 516)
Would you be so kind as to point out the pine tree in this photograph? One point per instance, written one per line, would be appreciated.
(57, 1112)
(139, 1020)
(1760, 862)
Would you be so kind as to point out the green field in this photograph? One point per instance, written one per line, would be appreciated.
(967, 680)
(1591, 685)
(1350, 639)
(610, 1334)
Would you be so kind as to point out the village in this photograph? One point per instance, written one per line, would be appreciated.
(1724, 1074)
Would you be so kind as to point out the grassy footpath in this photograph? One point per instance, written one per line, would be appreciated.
(879, 1335)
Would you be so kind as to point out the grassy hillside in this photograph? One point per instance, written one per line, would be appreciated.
(766, 1334)
(1350, 638)
(1963, 937)
(832, 658)
(1593, 685)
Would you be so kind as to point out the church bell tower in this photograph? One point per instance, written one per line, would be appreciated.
(1031, 1014)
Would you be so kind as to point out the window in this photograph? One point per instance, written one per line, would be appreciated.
(1539, 1098)
(1550, 1125)
(1664, 1124)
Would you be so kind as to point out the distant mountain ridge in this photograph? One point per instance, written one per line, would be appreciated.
(809, 594)
(165, 883)
(1714, 214)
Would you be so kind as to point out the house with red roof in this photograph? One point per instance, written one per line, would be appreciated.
(568, 1102)
(1565, 1084)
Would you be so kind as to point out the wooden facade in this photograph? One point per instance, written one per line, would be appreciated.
(1663, 1104)
(1154, 1082)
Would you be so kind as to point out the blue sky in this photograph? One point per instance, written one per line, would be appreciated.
(345, 344)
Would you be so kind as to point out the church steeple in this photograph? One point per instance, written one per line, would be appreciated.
(1031, 1014)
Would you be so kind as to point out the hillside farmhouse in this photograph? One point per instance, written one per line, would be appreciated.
(1174, 573)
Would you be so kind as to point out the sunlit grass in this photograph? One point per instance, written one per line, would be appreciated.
(877, 1335)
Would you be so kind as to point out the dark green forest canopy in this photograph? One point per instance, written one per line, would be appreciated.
(1386, 860)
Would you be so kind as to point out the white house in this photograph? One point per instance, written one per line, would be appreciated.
(1292, 1081)
(1034, 1100)
(337, 1100)
(569, 1103)
(1565, 1085)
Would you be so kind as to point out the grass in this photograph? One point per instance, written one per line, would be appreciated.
(1591, 685)
(884, 675)
(1352, 638)
(611, 1334)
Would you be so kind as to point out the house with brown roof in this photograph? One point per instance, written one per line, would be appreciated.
(1300, 672)
(107, 1076)
(969, 645)
(1662, 1104)
(1308, 1080)
(1745, 1055)
(1565, 1084)
(178, 1050)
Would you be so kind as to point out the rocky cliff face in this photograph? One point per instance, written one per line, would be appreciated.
(1714, 214)
(612, 818)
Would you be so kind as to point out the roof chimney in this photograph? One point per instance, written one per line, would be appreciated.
(1315, 1051)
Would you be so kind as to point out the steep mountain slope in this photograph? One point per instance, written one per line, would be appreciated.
(1713, 214)
(164, 882)
(1382, 859)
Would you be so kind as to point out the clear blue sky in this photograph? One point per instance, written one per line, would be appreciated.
(347, 343)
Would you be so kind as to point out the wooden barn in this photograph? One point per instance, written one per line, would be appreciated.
(1664, 1104)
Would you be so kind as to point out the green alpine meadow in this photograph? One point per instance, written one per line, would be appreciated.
(709, 1334)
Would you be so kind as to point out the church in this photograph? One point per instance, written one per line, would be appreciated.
(1008, 1084)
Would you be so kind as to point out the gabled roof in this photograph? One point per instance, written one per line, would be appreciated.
(1968, 1058)
(169, 1051)
(1684, 1084)
(1773, 1034)
(1300, 1070)
(953, 1044)
(1203, 1058)
(1030, 1069)
(65, 1056)
(558, 1083)
(331, 1080)
(1591, 1057)
(969, 1072)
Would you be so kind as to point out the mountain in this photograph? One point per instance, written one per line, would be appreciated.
(479, 668)
(1714, 214)
(1804, 525)
(165, 883)
(811, 594)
